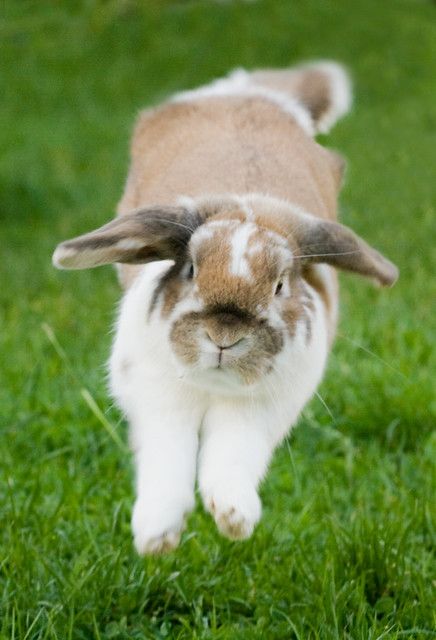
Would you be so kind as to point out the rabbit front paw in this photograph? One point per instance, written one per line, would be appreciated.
(236, 513)
(157, 528)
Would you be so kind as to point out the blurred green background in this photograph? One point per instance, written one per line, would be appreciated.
(345, 547)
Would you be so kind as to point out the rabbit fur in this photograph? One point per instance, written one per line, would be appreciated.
(227, 246)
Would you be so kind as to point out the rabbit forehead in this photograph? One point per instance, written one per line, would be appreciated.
(242, 249)
(238, 263)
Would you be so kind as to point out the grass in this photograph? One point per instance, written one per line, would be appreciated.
(345, 548)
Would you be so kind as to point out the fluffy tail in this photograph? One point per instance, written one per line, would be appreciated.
(322, 88)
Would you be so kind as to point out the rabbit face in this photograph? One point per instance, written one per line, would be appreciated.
(239, 289)
(238, 298)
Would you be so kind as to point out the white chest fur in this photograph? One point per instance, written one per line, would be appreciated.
(184, 426)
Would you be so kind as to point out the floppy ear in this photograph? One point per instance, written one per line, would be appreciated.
(337, 245)
(155, 233)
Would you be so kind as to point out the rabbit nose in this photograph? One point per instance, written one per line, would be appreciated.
(223, 342)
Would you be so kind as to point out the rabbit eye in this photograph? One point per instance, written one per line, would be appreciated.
(279, 287)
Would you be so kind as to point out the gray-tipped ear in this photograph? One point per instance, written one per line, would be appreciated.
(337, 245)
(155, 233)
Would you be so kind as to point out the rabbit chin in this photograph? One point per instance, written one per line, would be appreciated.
(225, 380)
(233, 377)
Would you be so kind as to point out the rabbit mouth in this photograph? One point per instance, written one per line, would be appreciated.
(244, 369)
(246, 356)
(221, 360)
(229, 355)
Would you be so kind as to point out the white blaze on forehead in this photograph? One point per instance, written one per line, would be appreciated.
(207, 232)
(239, 265)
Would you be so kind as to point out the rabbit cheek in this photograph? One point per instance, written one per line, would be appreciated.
(299, 311)
(259, 361)
(184, 339)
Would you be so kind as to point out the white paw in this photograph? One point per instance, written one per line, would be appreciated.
(236, 512)
(157, 529)
(146, 545)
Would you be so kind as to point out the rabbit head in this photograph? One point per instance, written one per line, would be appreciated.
(237, 289)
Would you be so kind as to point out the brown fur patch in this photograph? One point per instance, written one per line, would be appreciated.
(226, 327)
(266, 341)
(218, 285)
(184, 337)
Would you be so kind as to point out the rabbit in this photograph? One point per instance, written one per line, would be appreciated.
(227, 246)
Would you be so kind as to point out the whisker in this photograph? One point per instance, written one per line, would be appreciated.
(168, 221)
(273, 397)
(387, 364)
(325, 255)
(173, 222)
(326, 407)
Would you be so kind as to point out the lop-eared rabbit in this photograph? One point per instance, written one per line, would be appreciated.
(227, 247)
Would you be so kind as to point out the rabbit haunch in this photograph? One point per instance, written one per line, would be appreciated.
(227, 245)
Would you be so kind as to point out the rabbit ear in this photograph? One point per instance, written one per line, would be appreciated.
(155, 233)
(337, 245)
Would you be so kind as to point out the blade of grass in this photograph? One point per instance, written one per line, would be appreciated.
(85, 393)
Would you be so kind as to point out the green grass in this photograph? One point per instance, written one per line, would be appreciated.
(345, 547)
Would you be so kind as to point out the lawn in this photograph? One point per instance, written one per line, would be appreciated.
(345, 548)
